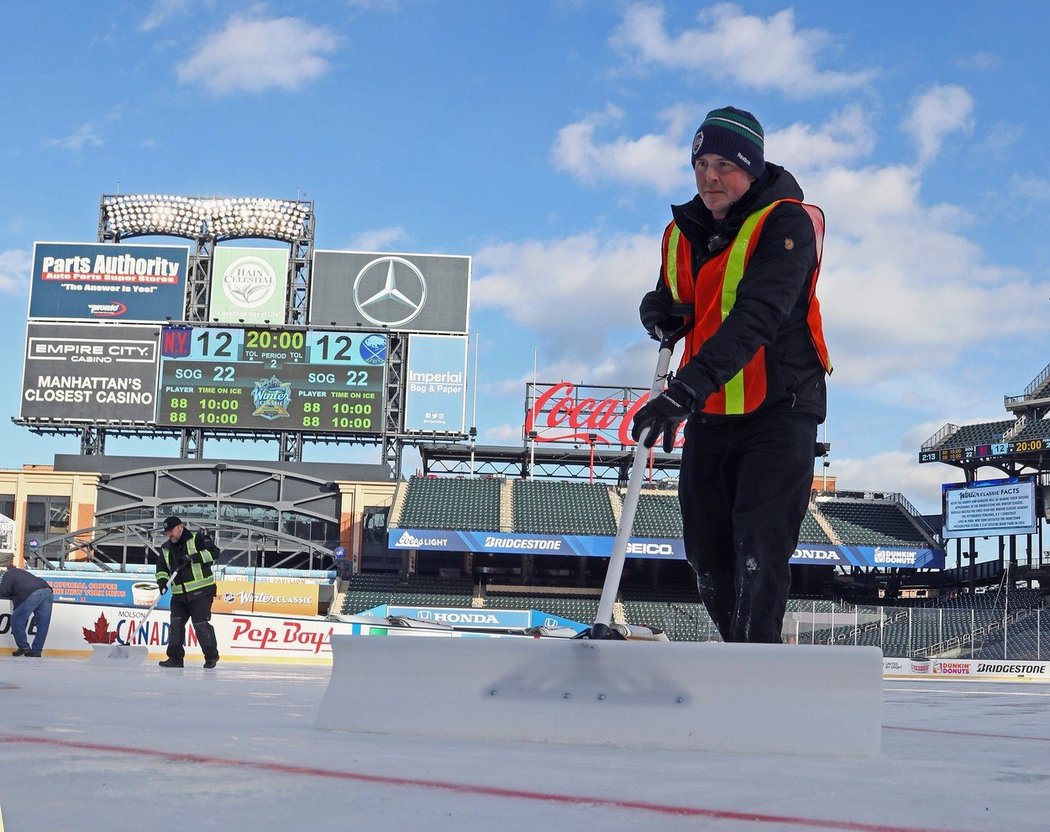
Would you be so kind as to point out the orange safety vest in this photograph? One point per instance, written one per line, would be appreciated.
(713, 295)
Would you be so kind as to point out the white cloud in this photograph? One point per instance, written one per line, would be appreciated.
(729, 45)
(161, 11)
(378, 239)
(575, 291)
(897, 471)
(506, 433)
(253, 54)
(845, 137)
(84, 136)
(656, 160)
(15, 264)
(936, 113)
(981, 61)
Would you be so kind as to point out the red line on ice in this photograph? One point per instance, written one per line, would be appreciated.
(467, 789)
(965, 733)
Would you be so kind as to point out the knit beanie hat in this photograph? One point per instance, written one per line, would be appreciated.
(734, 134)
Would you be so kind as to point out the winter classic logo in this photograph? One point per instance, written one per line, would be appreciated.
(249, 282)
(697, 141)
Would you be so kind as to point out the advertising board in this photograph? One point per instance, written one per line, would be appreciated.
(990, 507)
(275, 379)
(436, 390)
(108, 281)
(248, 285)
(90, 372)
(403, 292)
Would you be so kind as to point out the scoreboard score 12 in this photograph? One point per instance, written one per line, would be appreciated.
(292, 379)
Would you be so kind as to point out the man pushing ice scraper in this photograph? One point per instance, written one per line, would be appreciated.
(744, 255)
(740, 264)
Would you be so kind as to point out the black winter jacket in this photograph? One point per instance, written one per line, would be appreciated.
(18, 584)
(772, 300)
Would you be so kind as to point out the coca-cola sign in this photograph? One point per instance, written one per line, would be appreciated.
(572, 414)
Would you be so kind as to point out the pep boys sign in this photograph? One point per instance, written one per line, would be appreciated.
(571, 414)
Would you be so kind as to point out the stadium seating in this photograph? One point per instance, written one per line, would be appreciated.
(811, 531)
(871, 523)
(658, 515)
(559, 507)
(451, 503)
(577, 608)
(978, 433)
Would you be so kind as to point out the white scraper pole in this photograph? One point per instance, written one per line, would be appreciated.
(630, 500)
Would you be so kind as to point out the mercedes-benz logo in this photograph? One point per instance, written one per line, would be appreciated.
(390, 291)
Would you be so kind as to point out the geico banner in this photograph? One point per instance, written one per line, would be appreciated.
(248, 285)
(90, 372)
(108, 281)
(531, 544)
(972, 669)
(436, 389)
(402, 292)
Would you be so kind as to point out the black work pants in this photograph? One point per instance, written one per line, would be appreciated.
(744, 488)
(195, 607)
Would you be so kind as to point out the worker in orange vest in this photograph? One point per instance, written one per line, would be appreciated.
(744, 255)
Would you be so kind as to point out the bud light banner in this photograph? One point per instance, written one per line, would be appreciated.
(901, 557)
(248, 285)
(436, 392)
(108, 282)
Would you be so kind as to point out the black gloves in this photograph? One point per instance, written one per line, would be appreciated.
(663, 414)
(162, 585)
(657, 312)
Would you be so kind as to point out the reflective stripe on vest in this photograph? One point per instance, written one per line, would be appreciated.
(200, 580)
(718, 293)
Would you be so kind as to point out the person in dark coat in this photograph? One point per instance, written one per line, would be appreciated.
(743, 258)
(186, 565)
(30, 596)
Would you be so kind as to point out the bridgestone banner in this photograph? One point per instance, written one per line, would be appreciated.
(108, 281)
(249, 285)
(402, 292)
(90, 372)
(652, 548)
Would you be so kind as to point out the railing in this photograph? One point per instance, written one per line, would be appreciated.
(113, 547)
(939, 436)
(1038, 381)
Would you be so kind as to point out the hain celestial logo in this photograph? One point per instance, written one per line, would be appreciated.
(249, 282)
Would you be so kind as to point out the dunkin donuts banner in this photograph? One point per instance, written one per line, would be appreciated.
(994, 670)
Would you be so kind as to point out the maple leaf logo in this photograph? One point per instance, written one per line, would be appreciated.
(101, 633)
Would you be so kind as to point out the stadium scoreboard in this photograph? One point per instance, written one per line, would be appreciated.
(984, 451)
(292, 379)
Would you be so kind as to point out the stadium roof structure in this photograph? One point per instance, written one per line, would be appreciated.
(1013, 445)
(574, 462)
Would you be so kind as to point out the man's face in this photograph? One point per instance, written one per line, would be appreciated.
(720, 183)
(175, 533)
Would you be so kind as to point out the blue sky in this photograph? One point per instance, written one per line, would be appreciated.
(546, 140)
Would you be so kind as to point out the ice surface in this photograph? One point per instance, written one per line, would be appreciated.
(97, 747)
